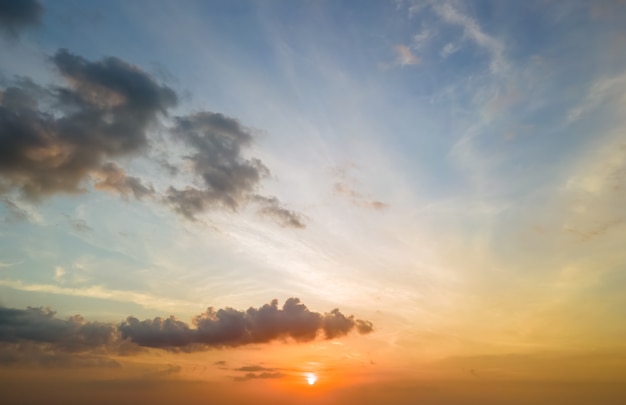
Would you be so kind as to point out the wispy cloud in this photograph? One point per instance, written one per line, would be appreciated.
(404, 56)
(448, 49)
(7, 264)
(139, 298)
(346, 186)
(422, 39)
(474, 32)
(610, 90)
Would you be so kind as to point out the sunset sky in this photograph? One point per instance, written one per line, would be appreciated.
(313, 202)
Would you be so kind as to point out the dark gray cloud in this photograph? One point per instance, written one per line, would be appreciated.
(36, 335)
(227, 177)
(16, 15)
(230, 327)
(40, 325)
(51, 140)
(272, 207)
(64, 138)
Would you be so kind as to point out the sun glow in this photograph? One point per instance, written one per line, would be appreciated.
(311, 378)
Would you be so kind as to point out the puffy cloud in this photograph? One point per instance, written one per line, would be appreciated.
(228, 178)
(59, 139)
(18, 14)
(37, 335)
(51, 140)
(230, 327)
(217, 141)
(41, 325)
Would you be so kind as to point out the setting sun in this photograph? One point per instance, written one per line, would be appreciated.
(311, 378)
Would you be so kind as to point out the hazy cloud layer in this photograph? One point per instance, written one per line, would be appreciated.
(16, 15)
(39, 332)
(63, 138)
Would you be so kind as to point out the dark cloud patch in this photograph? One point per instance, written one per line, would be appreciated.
(113, 178)
(188, 202)
(224, 327)
(254, 368)
(364, 327)
(228, 177)
(271, 207)
(41, 325)
(15, 15)
(51, 140)
(38, 336)
(257, 372)
(259, 376)
(229, 327)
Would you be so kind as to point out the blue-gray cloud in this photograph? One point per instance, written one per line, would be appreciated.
(15, 15)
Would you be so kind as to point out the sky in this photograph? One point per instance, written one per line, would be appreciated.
(316, 202)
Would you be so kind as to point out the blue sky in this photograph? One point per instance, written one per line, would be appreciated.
(452, 171)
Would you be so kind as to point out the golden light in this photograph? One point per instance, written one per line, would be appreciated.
(311, 378)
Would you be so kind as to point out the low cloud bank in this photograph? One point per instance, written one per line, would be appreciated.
(222, 328)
